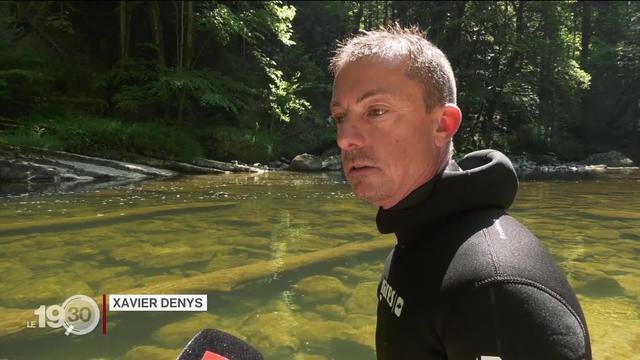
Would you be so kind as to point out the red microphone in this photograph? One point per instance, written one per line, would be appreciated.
(212, 344)
(208, 355)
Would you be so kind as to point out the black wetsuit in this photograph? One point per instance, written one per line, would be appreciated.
(466, 281)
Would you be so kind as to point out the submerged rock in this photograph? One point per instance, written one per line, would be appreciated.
(159, 256)
(319, 332)
(358, 321)
(41, 290)
(178, 333)
(602, 287)
(321, 288)
(272, 333)
(303, 356)
(150, 352)
(363, 300)
(332, 312)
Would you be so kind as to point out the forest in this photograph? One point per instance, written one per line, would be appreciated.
(248, 80)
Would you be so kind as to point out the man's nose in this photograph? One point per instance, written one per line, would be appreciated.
(350, 136)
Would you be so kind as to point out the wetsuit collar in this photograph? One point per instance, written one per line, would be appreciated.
(481, 179)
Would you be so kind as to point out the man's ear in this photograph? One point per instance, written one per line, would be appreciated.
(449, 120)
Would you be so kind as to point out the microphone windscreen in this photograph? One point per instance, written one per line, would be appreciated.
(212, 344)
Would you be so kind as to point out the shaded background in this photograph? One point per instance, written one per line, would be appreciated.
(248, 80)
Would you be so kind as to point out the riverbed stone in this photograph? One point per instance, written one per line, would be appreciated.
(178, 333)
(119, 283)
(167, 255)
(602, 287)
(365, 335)
(41, 290)
(363, 300)
(611, 158)
(151, 352)
(227, 262)
(321, 288)
(91, 272)
(16, 270)
(303, 356)
(631, 284)
(272, 332)
(332, 312)
(306, 162)
(319, 332)
(613, 324)
(366, 272)
(358, 320)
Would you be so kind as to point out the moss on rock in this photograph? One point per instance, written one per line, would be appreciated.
(321, 288)
(179, 332)
(150, 352)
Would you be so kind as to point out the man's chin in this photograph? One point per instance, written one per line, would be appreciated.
(368, 193)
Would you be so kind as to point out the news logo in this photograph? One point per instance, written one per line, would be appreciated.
(79, 315)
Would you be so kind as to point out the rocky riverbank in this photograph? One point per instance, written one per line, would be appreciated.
(37, 170)
(527, 167)
(548, 167)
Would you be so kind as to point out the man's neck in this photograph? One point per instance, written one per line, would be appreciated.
(430, 174)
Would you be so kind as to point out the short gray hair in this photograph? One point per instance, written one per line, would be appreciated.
(426, 62)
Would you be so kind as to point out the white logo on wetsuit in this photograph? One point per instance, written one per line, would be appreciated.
(394, 300)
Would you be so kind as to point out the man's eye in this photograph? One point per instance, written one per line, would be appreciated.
(337, 120)
(376, 112)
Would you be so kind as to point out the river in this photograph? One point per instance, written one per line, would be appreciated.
(173, 231)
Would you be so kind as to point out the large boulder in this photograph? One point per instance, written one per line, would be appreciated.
(611, 158)
(13, 171)
(306, 162)
(332, 163)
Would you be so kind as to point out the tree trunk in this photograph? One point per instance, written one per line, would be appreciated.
(513, 62)
(188, 45)
(586, 32)
(385, 10)
(185, 40)
(156, 31)
(358, 18)
(125, 31)
(19, 11)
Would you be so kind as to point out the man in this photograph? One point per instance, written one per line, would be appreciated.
(465, 280)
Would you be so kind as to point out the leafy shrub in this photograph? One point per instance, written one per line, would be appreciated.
(229, 143)
(107, 137)
(32, 136)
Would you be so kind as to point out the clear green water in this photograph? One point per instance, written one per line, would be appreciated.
(323, 311)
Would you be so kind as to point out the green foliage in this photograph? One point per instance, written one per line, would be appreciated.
(282, 96)
(222, 23)
(208, 88)
(34, 136)
(107, 137)
(22, 79)
(248, 80)
(230, 143)
(279, 19)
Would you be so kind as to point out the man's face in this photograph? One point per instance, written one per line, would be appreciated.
(384, 132)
